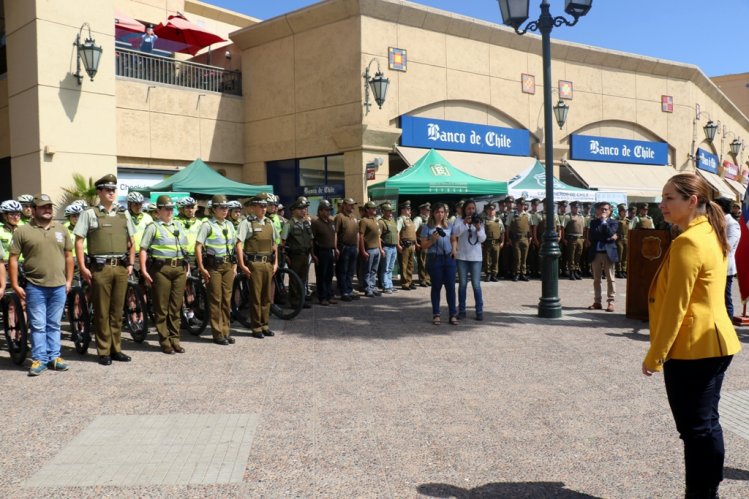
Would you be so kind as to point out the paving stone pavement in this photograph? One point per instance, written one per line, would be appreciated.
(369, 399)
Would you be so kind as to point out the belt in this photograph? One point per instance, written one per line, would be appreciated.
(99, 262)
(170, 262)
(218, 260)
(258, 258)
(373, 248)
(492, 241)
(390, 245)
(573, 237)
(406, 244)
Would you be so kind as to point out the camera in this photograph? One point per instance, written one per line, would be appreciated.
(472, 219)
(440, 231)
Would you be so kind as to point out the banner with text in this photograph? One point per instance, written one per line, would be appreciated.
(592, 148)
(730, 171)
(458, 136)
(707, 161)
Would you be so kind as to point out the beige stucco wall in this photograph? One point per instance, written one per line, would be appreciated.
(4, 119)
(458, 69)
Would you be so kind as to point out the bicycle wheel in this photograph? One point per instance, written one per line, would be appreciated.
(15, 328)
(136, 317)
(195, 307)
(240, 300)
(285, 281)
(80, 320)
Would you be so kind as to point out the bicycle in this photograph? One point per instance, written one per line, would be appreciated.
(15, 326)
(136, 310)
(195, 312)
(284, 280)
(80, 315)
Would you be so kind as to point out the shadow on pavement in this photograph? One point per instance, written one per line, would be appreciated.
(735, 474)
(508, 490)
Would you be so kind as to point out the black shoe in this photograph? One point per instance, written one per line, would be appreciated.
(268, 333)
(179, 350)
(523, 278)
(515, 278)
(307, 305)
(624, 275)
(167, 350)
(377, 293)
(494, 278)
(577, 276)
(259, 336)
(120, 357)
(412, 286)
(230, 340)
(572, 276)
(370, 295)
(346, 298)
(105, 360)
(221, 341)
(461, 315)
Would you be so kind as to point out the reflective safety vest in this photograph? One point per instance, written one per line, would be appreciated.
(191, 226)
(110, 237)
(278, 224)
(220, 241)
(6, 234)
(140, 222)
(70, 228)
(166, 244)
(259, 242)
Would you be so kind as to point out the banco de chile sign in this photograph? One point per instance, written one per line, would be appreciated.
(459, 136)
(592, 148)
(707, 161)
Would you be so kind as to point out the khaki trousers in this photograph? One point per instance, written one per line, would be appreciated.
(491, 257)
(602, 264)
(260, 295)
(219, 289)
(108, 287)
(574, 253)
(423, 274)
(520, 254)
(407, 266)
(168, 296)
(621, 249)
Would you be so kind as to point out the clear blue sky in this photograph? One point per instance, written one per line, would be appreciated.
(709, 34)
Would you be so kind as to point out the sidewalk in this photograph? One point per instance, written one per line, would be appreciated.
(369, 399)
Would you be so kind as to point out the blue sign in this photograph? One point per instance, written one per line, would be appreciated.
(591, 148)
(332, 190)
(458, 136)
(707, 161)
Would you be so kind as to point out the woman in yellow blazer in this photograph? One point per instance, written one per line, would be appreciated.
(692, 338)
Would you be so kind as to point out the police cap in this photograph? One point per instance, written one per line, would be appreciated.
(386, 206)
(405, 204)
(349, 201)
(164, 201)
(42, 200)
(642, 205)
(425, 206)
(575, 203)
(490, 206)
(260, 198)
(324, 205)
(520, 200)
(370, 205)
(219, 201)
(535, 201)
(108, 181)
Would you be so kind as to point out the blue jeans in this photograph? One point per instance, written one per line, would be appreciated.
(386, 266)
(729, 296)
(324, 273)
(373, 263)
(345, 269)
(44, 307)
(474, 268)
(441, 269)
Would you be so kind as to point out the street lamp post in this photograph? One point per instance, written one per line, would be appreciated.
(514, 14)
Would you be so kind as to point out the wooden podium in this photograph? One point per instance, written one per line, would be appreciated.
(646, 250)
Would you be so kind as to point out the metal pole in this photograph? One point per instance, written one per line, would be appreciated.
(549, 305)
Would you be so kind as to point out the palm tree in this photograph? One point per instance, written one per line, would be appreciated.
(81, 189)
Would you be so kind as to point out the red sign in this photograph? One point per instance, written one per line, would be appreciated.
(745, 177)
(730, 171)
(371, 173)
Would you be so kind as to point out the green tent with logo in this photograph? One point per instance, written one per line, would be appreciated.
(531, 183)
(433, 174)
(198, 178)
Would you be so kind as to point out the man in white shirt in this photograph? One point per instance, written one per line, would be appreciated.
(733, 231)
(469, 232)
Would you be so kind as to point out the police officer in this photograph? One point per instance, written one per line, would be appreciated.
(27, 201)
(217, 264)
(257, 254)
(539, 229)
(506, 254)
(296, 238)
(407, 237)
(370, 248)
(275, 217)
(585, 261)
(574, 231)
(390, 246)
(518, 239)
(235, 213)
(11, 212)
(642, 220)
(72, 213)
(164, 242)
(534, 260)
(186, 217)
(326, 252)
(139, 218)
(622, 232)
(108, 233)
(421, 219)
(492, 246)
(347, 237)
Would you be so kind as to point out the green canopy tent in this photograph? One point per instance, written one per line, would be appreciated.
(531, 183)
(433, 174)
(198, 178)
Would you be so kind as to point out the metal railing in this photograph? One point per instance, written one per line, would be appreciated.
(149, 67)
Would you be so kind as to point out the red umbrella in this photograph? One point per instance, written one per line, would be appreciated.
(179, 29)
(123, 21)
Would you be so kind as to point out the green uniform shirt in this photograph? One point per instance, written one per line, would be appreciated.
(245, 229)
(44, 252)
(224, 248)
(150, 233)
(88, 221)
(2, 254)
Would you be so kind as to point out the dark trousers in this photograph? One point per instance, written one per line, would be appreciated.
(693, 388)
(729, 296)
(324, 273)
(345, 269)
(442, 269)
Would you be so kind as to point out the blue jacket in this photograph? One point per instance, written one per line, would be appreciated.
(600, 232)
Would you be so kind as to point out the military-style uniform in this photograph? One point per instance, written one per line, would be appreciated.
(347, 235)
(6, 234)
(585, 262)
(108, 235)
(561, 214)
(519, 231)
(215, 244)
(642, 222)
(297, 234)
(258, 239)
(421, 256)
(390, 242)
(165, 244)
(191, 227)
(534, 259)
(324, 243)
(507, 253)
(407, 236)
(574, 232)
(495, 233)
(622, 247)
(140, 222)
(371, 246)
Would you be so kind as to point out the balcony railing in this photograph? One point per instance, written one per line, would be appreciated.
(142, 66)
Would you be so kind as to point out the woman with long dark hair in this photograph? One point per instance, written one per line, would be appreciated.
(436, 241)
(692, 339)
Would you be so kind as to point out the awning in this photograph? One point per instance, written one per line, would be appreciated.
(638, 181)
(736, 186)
(488, 166)
(717, 184)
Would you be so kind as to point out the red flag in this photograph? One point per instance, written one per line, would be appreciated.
(742, 251)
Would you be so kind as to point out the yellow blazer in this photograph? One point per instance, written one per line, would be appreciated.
(686, 300)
